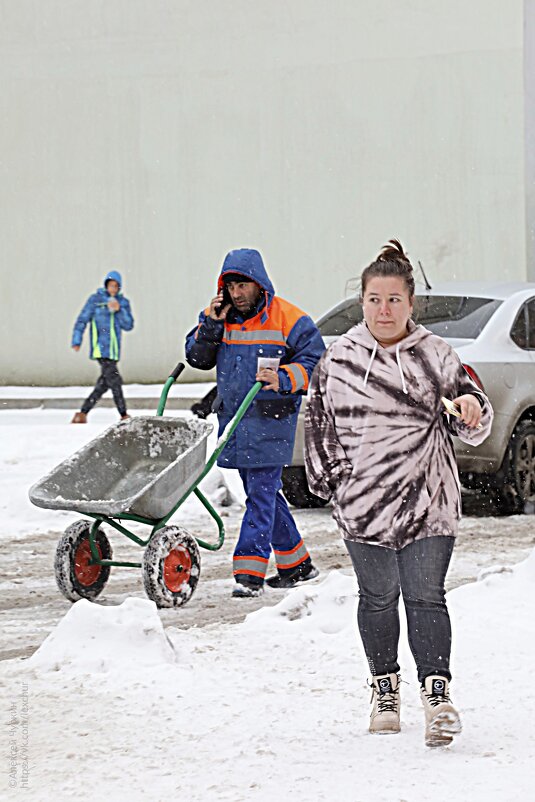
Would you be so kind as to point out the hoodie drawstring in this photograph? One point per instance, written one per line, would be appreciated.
(370, 363)
(398, 360)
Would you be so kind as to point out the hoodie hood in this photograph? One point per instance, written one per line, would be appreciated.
(361, 335)
(113, 275)
(247, 262)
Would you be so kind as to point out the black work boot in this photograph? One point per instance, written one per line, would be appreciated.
(247, 588)
(289, 579)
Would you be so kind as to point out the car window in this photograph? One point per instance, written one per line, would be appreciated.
(523, 330)
(519, 331)
(445, 315)
(454, 316)
(531, 324)
(342, 318)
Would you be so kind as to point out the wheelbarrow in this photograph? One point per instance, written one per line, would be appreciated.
(142, 470)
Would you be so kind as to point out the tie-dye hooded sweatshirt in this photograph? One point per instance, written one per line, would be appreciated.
(377, 438)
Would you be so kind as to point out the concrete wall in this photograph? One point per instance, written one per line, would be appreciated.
(154, 135)
(529, 137)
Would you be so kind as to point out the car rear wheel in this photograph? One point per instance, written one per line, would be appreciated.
(515, 493)
(295, 488)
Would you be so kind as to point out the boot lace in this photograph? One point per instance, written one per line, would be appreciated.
(435, 699)
(387, 702)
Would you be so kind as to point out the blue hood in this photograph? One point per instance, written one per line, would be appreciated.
(114, 275)
(249, 263)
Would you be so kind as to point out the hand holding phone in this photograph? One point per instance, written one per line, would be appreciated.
(220, 306)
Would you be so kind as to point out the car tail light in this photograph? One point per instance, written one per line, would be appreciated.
(473, 375)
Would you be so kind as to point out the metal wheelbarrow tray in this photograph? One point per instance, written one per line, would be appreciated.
(142, 466)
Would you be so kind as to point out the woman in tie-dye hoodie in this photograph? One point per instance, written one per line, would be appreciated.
(378, 442)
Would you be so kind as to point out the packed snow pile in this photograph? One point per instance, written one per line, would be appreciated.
(326, 607)
(93, 639)
(279, 702)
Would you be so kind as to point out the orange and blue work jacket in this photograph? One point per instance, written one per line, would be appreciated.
(278, 329)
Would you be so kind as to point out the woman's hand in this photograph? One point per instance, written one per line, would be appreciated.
(470, 410)
(270, 376)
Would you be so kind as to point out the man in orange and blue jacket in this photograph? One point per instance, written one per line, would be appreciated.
(246, 322)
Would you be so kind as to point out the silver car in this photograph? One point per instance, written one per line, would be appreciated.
(492, 328)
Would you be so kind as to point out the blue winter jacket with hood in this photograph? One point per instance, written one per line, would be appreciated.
(265, 436)
(104, 326)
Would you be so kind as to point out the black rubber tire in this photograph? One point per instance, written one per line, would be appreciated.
(295, 488)
(514, 487)
(66, 568)
(171, 543)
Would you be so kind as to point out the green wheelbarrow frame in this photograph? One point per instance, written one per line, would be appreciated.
(113, 521)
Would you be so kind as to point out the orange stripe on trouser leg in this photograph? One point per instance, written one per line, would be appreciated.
(290, 551)
(285, 560)
(287, 566)
(252, 557)
(242, 571)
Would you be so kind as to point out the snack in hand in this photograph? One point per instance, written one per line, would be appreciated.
(454, 409)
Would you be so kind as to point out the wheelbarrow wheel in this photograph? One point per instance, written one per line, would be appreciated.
(171, 567)
(75, 576)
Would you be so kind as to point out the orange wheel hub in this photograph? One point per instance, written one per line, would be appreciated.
(85, 573)
(177, 569)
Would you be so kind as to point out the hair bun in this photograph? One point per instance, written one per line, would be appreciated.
(393, 252)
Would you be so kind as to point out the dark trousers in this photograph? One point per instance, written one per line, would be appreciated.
(418, 571)
(109, 379)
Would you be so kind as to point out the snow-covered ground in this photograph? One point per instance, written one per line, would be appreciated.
(122, 702)
(184, 390)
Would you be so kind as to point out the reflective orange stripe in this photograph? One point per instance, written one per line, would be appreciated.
(305, 374)
(281, 316)
(242, 565)
(291, 551)
(251, 342)
(292, 380)
(260, 559)
(261, 574)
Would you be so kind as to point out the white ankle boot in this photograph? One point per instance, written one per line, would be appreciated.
(384, 718)
(442, 721)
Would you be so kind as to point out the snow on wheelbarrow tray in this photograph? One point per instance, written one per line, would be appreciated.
(142, 466)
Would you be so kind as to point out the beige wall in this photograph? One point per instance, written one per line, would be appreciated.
(152, 136)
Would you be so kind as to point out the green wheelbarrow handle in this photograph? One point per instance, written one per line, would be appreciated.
(221, 443)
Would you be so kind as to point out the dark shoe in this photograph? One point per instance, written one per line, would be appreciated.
(125, 417)
(247, 590)
(79, 417)
(290, 580)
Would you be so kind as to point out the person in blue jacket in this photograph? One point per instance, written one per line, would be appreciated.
(245, 324)
(108, 313)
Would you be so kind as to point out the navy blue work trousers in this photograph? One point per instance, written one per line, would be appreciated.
(267, 524)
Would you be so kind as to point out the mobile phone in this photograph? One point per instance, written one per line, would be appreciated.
(226, 300)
